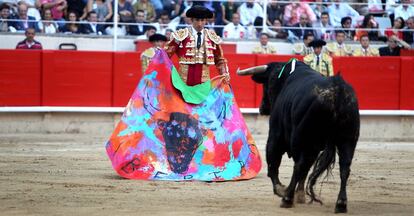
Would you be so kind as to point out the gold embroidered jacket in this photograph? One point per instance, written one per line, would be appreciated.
(183, 44)
(325, 66)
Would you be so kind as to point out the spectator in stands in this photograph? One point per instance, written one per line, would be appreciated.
(274, 11)
(150, 30)
(318, 8)
(293, 12)
(157, 6)
(56, 7)
(212, 25)
(396, 29)
(29, 42)
(365, 49)
(408, 35)
(346, 25)
(121, 30)
(163, 23)
(5, 26)
(71, 27)
(234, 30)
(368, 27)
(25, 21)
(184, 22)
(140, 25)
(302, 28)
(102, 8)
(79, 7)
(304, 48)
(32, 8)
(157, 41)
(249, 11)
(394, 47)
(229, 7)
(126, 11)
(91, 27)
(264, 47)
(319, 61)
(405, 10)
(168, 33)
(181, 7)
(323, 30)
(277, 31)
(48, 25)
(148, 8)
(338, 10)
(390, 6)
(339, 48)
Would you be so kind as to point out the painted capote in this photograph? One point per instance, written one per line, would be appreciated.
(162, 137)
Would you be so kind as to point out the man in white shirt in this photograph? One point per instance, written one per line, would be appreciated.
(338, 10)
(234, 30)
(323, 30)
(249, 11)
(404, 10)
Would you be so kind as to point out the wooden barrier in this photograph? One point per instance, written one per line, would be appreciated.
(78, 78)
(20, 77)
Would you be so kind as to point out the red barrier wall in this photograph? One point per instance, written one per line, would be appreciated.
(72, 78)
(20, 77)
(375, 80)
(126, 74)
(407, 83)
(77, 78)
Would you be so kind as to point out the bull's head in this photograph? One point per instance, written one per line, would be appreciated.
(271, 77)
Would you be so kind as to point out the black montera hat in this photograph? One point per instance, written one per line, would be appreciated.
(317, 43)
(157, 37)
(199, 12)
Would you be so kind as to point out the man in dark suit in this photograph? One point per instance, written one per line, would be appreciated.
(302, 28)
(409, 35)
(91, 27)
(25, 21)
(394, 47)
(140, 27)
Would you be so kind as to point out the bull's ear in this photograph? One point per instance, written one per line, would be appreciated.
(261, 77)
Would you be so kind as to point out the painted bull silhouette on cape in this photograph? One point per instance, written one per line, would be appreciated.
(311, 118)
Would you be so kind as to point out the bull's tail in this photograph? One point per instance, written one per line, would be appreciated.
(324, 162)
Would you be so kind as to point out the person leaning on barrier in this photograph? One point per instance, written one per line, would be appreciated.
(264, 47)
(394, 47)
(408, 34)
(304, 48)
(339, 48)
(157, 41)
(29, 42)
(319, 61)
(365, 49)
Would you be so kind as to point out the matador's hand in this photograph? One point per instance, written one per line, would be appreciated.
(226, 74)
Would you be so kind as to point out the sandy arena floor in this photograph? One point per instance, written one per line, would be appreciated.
(71, 175)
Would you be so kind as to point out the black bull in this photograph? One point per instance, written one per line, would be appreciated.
(311, 118)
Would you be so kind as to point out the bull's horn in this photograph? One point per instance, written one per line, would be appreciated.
(252, 70)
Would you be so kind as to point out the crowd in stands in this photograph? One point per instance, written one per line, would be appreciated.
(233, 19)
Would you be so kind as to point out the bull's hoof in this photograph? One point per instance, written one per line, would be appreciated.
(341, 207)
(300, 197)
(279, 190)
(286, 203)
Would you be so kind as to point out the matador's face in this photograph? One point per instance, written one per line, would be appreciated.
(199, 24)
